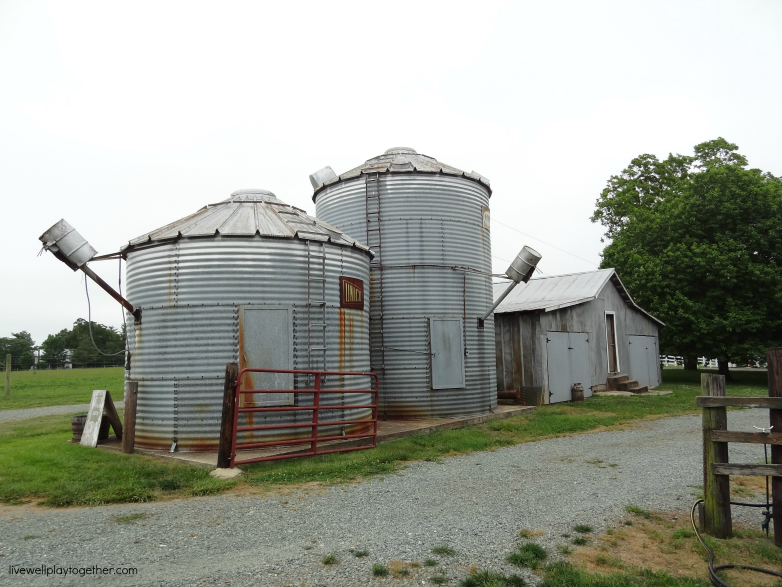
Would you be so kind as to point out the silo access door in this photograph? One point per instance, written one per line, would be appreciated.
(265, 342)
(447, 348)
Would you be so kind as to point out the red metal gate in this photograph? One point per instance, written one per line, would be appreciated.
(314, 425)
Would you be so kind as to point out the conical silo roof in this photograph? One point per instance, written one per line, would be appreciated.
(251, 212)
(401, 160)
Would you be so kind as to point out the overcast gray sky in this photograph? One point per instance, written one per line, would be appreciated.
(124, 116)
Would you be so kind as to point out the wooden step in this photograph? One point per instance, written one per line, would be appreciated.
(638, 389)
(626, 385)
(613, 381)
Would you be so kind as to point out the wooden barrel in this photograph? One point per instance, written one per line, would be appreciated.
(77, 426)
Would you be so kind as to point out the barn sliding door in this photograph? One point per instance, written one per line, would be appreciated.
(567, 358)
(644, 359)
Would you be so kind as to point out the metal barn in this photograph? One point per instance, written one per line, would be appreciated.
(582, 328)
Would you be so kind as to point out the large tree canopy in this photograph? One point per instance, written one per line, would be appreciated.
(698, 242)
(107, 339)
(20, 346)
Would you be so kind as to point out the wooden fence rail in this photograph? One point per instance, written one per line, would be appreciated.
(716, 519)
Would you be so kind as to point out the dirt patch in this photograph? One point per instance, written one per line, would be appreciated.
(668, 543)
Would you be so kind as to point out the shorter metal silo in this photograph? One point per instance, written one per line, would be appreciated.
(249, 280)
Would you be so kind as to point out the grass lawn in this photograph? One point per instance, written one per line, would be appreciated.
(37, 463)
(63, 387)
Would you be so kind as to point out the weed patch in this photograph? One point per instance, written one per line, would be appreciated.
(330, 559)
(443, 550)
(583, 529)
(130, 518)
(379, 570)
(492, 579)
(564, 574)
(641, 513)
(528, 555)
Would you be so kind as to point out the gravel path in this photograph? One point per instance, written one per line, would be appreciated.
(6, 415)
(475, 503)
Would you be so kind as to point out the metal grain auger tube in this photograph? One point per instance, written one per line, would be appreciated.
(521, 269)
(65, 243)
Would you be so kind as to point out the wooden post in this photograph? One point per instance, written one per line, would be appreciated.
(7, 375)
(774, 360)
(129, 432)
(227, 423)
(716, 488)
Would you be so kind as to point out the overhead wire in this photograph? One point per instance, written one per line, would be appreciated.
(545, 243)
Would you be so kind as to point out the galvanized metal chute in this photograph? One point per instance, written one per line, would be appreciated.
(521, 269)
(70, 247)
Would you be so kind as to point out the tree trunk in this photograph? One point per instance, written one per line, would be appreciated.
(723, 369)
(690, 363)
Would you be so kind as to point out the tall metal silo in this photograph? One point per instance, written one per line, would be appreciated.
(249, 280)
(428, 225)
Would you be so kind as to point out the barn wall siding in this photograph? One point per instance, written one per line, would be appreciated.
(520, 338)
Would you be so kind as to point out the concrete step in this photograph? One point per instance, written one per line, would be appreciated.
(613, 381)
(638, 389)
(599, 388)
(626, 385)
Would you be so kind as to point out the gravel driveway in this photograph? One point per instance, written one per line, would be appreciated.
(7, 415)
(475, 503)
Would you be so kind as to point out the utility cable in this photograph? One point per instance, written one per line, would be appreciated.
(545, 243)
(713, 577)
(89, 324)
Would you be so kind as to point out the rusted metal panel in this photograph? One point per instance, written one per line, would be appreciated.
(191, 291)
(430, 223)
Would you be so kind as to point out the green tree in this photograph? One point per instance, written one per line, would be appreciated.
(698, 242)
(78, 340)
(20, 346)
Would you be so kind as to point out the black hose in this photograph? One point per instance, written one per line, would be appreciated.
(89, 326)
(715, 580)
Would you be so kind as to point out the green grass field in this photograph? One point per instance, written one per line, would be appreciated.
(36, 462)
(64, 387)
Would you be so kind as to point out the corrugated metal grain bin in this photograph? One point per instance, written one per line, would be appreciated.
(248, 280)
(428, 225)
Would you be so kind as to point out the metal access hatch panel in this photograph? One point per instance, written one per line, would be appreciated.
(447, 353)
(266, 344)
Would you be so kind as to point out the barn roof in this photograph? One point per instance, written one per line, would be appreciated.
(560, 291)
